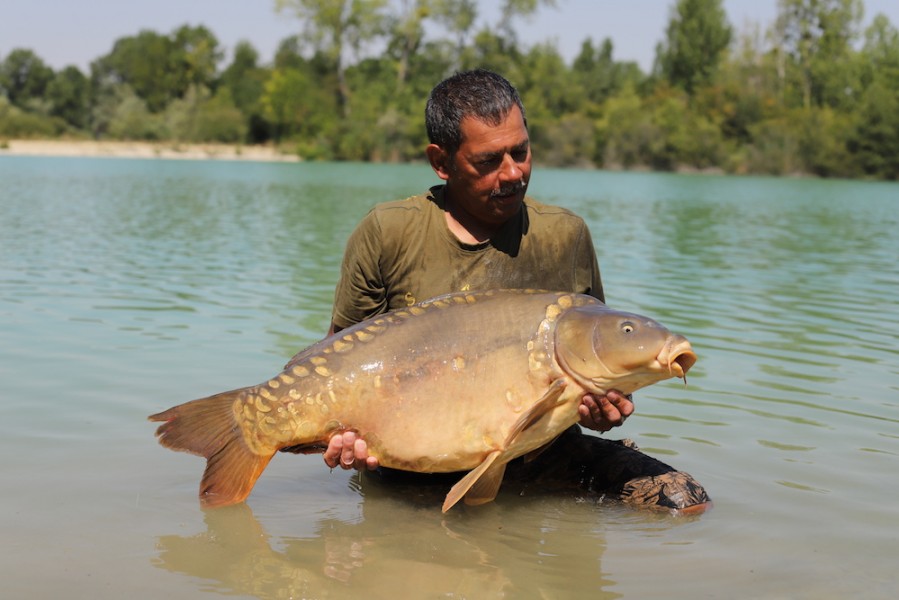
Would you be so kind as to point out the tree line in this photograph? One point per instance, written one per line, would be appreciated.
(811, 93)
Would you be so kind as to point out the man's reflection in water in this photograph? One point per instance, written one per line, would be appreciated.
(538, 539)
(402, 546)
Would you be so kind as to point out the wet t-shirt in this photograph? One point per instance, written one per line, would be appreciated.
(403, 252)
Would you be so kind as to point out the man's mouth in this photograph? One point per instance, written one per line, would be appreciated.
(507, 192)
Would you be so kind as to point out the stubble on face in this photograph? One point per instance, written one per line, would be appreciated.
(489, 173)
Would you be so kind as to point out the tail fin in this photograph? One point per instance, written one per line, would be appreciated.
(207, 427)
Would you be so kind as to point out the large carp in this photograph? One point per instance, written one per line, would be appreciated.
(466, 381)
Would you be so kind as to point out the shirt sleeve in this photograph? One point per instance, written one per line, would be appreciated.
(587, 268)
(361, 291)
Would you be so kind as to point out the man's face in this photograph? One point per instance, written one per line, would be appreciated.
(488, 176)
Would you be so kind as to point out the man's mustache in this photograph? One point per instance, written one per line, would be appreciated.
(510, 189)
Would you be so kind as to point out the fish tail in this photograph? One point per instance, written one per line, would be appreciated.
(208, 428)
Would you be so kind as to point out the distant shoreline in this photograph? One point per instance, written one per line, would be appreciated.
(166, 150)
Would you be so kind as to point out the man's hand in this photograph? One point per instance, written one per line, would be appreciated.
(602, 413)
(350, 452)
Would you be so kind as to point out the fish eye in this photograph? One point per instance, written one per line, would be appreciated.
(627, 327)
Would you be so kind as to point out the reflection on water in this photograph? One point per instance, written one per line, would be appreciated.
(129, 286)
(395, 549)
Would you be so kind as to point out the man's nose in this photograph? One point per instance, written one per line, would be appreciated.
(509, 169)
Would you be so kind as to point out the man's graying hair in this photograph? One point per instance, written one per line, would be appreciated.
(480, 93)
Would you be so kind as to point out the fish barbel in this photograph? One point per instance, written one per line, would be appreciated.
(462, 382)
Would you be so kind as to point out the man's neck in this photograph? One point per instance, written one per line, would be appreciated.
(464, 226)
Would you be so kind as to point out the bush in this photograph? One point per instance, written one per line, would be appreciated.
(200, 118)
(16, 123)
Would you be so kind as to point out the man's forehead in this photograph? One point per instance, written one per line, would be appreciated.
(509, 131)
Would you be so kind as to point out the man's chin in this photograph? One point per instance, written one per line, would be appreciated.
(508, 205)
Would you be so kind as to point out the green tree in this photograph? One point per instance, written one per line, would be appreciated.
(550, 94)
(24, 76)
(17, 123)
(625, 133)
(202, 117)
(816, 37)
(747, 89)
(244, 80)
(301, 110)
(148, 63)
(160, 68)
(822, 139)
(197, 50)
(458, 16)
(380, 117)
(128, 118)
(880, 53)
(599, 74)
(510, 10)
(337, 27)
(491, 50)
(69, 97)
(697, 36)
(875, 140)
(406, 35)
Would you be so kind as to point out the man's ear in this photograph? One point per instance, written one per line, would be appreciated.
(440, 161)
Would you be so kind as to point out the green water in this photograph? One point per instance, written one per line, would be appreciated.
(127, 286)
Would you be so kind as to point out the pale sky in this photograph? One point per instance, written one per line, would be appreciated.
(64, 32)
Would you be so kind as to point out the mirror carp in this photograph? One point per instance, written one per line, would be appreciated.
(461, 382)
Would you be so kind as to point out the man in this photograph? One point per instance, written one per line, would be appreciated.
(479, 231)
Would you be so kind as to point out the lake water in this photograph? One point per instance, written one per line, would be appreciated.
(127, 286)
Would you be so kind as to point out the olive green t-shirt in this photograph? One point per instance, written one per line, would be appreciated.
(403, 252)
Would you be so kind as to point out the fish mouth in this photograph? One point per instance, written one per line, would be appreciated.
(678, 355)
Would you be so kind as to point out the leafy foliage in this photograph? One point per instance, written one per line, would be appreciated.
(697, 35)
(811, 93)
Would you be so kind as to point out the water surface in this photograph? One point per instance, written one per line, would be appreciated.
(127, 286)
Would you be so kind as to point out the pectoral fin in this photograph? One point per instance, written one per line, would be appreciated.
(546, 403)
(461, 488)
(482, 483)
(533, 454)
(486, 487)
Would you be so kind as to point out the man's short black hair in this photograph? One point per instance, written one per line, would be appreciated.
(479, 93)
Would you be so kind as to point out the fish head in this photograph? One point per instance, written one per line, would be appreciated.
(604, 349)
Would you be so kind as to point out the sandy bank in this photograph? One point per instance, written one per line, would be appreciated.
(169, 150)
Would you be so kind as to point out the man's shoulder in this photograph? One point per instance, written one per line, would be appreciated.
(551, 215)
(408, 206)
(393, 217)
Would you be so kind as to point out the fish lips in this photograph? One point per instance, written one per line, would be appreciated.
(678, 355)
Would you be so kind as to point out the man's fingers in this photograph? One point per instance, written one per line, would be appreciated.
(360, 453)
(348, 451)
(332, 453)
(622, 403)
(348, 454)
